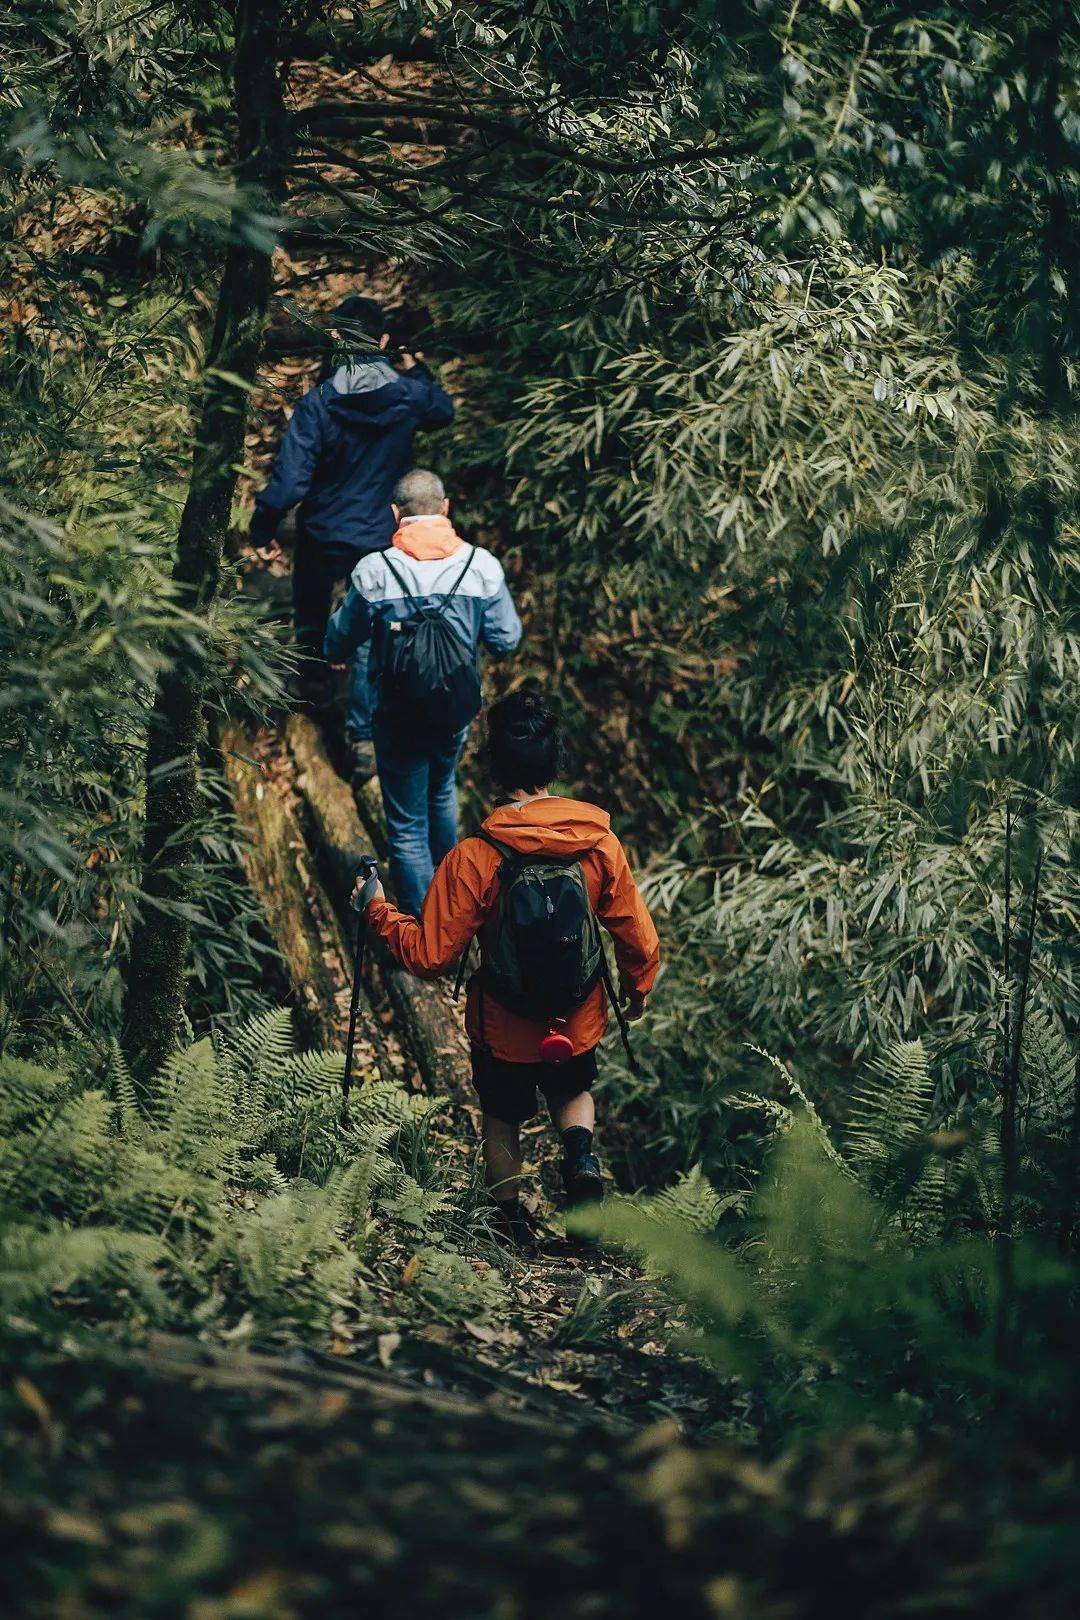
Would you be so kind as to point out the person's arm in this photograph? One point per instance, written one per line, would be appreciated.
(292, 472)
(626, 917)
(453, 910)
(348, 628)
(500, 627)
(434, 407)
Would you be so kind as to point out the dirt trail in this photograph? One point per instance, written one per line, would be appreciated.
(259, 1487)
(583, 1325)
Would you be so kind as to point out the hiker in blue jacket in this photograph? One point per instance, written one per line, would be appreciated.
(428, 568)
(348, 442)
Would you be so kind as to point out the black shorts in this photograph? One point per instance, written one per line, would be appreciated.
(507, 1091)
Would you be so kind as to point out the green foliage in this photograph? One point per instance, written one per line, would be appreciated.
(882, 1271)
(225, 1193)
(829, 1314)
(798, 523)
(456, 1288)
(287, 1262)
(766, 321)
(692, 1201)
(86, 603)
(114, 231)
(936, 1165)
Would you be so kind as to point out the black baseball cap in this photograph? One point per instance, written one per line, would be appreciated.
(367, 313)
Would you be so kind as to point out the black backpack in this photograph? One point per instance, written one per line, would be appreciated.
(429, 680)
(544, 954)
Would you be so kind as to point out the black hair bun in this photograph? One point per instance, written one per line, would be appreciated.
(523, 739)
(533, 719)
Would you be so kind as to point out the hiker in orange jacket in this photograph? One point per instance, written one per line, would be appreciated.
(463, 903)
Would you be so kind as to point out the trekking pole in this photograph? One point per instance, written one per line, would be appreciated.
(367, 878)
(624, 1028)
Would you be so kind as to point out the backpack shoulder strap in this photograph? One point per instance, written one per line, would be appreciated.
(449, 595)
(468, 564)
(409, 597)
(504, 850)
(507, 854)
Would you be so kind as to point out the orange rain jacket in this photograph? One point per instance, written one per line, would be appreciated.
(463, 894)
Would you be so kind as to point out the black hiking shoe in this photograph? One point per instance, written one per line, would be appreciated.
(582, 1180)
(514, 1226)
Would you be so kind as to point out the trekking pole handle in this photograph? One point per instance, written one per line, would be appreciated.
(367, 881)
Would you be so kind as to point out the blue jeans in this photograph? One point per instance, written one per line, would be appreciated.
(361, 702)
(418, 779)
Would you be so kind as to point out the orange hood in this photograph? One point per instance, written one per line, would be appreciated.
(552, 826)
(427, 538)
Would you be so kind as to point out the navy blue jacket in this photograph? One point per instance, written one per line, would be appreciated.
(347, 443)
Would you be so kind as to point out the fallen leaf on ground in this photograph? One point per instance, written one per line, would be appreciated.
(480, 1330)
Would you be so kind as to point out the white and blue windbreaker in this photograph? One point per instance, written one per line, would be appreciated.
(481, 611)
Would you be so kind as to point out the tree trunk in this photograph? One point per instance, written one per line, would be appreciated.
(158, 962)
(282, 871)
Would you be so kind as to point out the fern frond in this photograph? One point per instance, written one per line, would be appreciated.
(121, 1085)
(194, 1112)
(262, 1175)
(37, 1264)
(383, 1102)
(27, 1092)
(350, 1188)
(778, 1115)
(414, 1206)
(817, 1124)
(693, 1201)
(923, 1211)
(982, 1164)
(891, 1108)
(156, 1183)
(64, 1152)
(287, 1259)
(149, 1192)
(262, 1043)
(1048, 1088)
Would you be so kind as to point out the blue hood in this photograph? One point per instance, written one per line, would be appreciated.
(368, 394)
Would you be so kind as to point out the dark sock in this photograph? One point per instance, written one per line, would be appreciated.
(577, 1141)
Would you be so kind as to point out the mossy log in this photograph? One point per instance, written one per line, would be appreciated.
(335, 825)
(427, 1022)
(281, 870)
(368, 798)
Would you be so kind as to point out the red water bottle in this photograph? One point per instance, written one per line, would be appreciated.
(556, 1045)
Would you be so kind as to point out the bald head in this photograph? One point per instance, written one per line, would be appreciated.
(420, 494)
